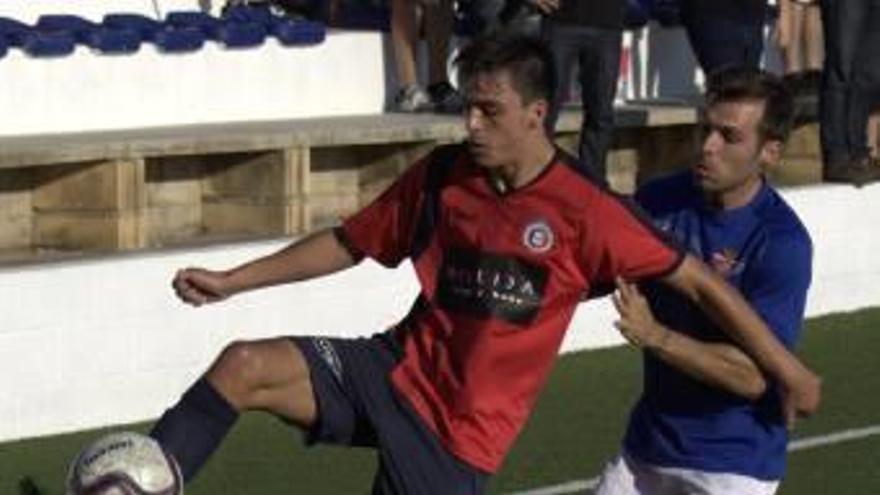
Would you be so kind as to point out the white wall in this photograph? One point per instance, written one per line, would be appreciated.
(100, 342)
(87, 91)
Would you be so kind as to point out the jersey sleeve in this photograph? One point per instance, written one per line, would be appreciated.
(383, 230)
(777, 288)
(621, 241)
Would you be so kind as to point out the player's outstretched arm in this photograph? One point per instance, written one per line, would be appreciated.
(801, 387)
(315, 255)
(718, 364)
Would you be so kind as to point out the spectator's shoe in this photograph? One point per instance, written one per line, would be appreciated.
(412, 99)
(858, 173)
(446, 99)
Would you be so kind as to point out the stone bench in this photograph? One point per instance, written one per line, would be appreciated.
(146, 188)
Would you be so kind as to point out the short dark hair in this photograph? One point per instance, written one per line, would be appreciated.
(527, 59)
(740, 83)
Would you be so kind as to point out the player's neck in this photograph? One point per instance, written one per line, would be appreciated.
(528, 165)
(736, 197)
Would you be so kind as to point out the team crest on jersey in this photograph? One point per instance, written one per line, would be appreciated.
(538, 236)
(725, 263)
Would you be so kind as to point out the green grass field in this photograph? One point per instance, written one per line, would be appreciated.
(575, 428)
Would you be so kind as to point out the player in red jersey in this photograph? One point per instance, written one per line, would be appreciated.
(506, 236)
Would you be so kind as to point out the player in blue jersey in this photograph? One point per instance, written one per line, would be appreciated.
(708, 422)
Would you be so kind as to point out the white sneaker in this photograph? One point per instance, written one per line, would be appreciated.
(412, 99)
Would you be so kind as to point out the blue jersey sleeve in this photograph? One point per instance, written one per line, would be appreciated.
(777, 285)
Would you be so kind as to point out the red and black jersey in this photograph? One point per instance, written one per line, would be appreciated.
(500, 276)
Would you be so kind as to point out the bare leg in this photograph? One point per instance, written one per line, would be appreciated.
(814, 43)
(793, 54)
(874, 134)
(403, 38)
(267, 375)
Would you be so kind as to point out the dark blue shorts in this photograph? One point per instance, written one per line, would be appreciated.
(358, 406)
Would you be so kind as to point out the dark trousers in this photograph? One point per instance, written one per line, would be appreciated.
(719, 40)
(597, 52)
(851, 73)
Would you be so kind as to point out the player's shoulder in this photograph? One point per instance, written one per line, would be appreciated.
(574, 186)
(668, 194)
(780, 222)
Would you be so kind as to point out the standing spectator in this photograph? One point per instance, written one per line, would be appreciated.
(874, 134)
(437, 21)
(589, 32)
(708, 421)
(725, 32)
(851, 73)
(799, 35)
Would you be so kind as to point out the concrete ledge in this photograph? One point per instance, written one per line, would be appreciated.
(52, 149)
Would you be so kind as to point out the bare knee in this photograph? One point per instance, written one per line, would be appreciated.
(259, 375)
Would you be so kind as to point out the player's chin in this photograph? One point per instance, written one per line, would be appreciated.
(486, 160)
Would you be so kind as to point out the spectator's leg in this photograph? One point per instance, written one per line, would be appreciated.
(841, 21)
(563, 44)
(866, 79)
(439, 21)
(751, 31)
(874, 134)
(438, 32)
(814, 52)
(792, 55)
(404, 37)
(718, 41)
(599, 59)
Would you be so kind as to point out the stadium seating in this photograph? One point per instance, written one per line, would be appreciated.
(241, 26)
(143, 25)
(49, 44)
(13, 31)
(206, 23)
(242, 34)
(289, 32)
(81, 29)
(180, 40)
(114, 40)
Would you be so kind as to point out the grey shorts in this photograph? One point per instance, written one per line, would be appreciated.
(358, 406)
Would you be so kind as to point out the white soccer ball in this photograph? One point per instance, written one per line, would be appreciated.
(124, 463)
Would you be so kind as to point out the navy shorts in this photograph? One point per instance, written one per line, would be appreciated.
(358, 406)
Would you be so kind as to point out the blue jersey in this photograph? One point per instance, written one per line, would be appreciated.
(763, 250)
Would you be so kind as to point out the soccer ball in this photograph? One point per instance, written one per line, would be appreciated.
(124, 463)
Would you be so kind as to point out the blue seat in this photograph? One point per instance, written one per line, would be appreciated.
(207, 24)
(13, 31)
(234, 34)
(291, 32)
(3, 47)
(115, 40)
(179, 40)
(49, 43)
(259, 14)
(80, 28)
(144, 26)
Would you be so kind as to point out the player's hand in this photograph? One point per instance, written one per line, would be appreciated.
(801, 396)
(545, 6)
(197, 286)
(636, 323)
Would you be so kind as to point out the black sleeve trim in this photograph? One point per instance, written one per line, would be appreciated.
(682, 254)
(356, 254)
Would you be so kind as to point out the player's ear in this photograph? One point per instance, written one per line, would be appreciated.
(771, 152)
(538, 111)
